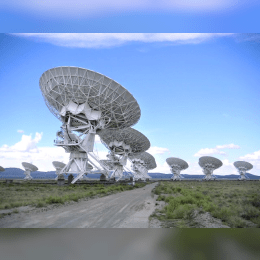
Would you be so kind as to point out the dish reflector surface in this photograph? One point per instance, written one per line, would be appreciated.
(248, 166)
(177, 161)
(216, 163)
(29, 166)
(129, 136)
(90, 95)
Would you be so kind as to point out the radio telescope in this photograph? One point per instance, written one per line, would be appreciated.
(141, 163)
(2, 169)
(209, 164)
(122, 144)
(242, 168)
(85, 102)
(28, 169)
(58, 166)
(177, 165)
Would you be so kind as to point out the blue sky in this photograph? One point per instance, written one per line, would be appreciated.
(198, 93)
(130, 16)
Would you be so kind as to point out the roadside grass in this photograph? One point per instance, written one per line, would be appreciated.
(41, 195)
(236, 203)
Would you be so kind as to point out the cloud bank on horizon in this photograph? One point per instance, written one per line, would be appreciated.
(68, 8)
(107, 40)
(216, 150)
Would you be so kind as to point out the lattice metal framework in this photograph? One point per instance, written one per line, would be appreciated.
(29, 168)
(2, 169)
(177, 165)
(209, 164)
(242, 168)
(108, 163)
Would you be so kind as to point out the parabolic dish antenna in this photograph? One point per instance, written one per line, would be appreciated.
(88, 96)
(242, 168)
(124, 141)
(28, 169)
(209, 164)
(58, 165)
(2, 169)
(176, 161)
(177, 165)
(147, 158)
(141, 163)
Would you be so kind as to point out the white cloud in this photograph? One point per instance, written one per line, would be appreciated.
(251, 156)
(228, 146)
(161, 168)
(79, 8)
(216, 150)
(20, 131)
(157, 150)
(254, 159)
(27, 144)
(106, 40)
(27, 150)
(208, 151)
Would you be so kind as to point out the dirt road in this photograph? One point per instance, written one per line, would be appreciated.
(129, 209)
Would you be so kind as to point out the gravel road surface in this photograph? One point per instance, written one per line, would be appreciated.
(128, 209)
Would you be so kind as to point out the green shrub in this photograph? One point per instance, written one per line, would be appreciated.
(250, 212)
(223, 213)
(236, 222)
(51, 200)
(161, 198)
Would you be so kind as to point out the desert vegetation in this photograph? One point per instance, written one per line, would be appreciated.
(235, 203)
(40, 195)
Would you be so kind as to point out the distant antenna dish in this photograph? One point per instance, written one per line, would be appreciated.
(122, 143)
(242, 168)
(58, 166)
(141, 163)
(85, 101)
(2, 169)
(209, 164)
(28, 169)
(177, 165)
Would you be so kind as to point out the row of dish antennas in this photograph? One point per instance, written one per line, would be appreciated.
(88, 103)
(208, 165)
(29, 168)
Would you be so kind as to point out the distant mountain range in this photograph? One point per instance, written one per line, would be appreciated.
(16, 173)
